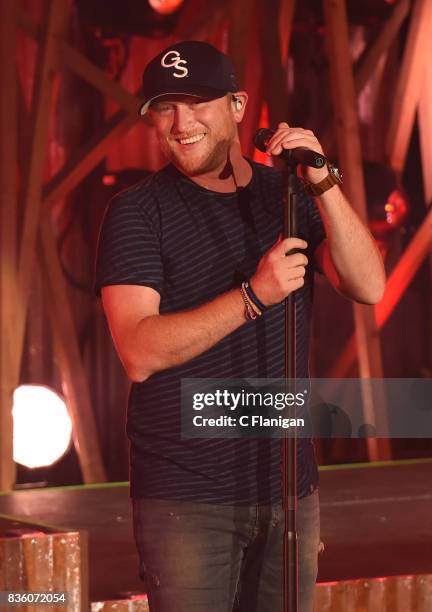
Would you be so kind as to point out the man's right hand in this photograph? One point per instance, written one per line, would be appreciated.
(278, 274)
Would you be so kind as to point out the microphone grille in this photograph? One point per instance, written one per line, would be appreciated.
(261, 138)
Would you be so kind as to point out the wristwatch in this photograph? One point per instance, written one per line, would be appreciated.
(334, 177)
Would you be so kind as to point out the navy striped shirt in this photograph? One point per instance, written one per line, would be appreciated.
(191, 244)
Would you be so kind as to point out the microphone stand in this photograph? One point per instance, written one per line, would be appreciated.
(292, 187)
(289, 442)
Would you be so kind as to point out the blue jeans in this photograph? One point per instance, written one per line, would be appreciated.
(218, 558)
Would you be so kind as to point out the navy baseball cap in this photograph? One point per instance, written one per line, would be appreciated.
(192, 68)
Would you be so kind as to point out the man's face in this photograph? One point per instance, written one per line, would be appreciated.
(195, 134)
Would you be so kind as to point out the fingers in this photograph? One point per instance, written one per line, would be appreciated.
(287, 133)
(287, 261)
(289, 138)
(296, 260)
(291, 141)
(297, 283)
(284, 281)
(284, 245)
(278, 274)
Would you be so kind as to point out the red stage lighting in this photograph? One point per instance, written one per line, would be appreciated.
(165, 7)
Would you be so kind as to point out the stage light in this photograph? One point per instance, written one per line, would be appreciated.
(111, 18)
(165, 7)
(109, 180)
(396, 208)
(388, 205)
(42, 427)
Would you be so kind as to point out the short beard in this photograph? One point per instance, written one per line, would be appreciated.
(217, 158)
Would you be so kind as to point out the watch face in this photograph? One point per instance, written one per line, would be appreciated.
(336, 173)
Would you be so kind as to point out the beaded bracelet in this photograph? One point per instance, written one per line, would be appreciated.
(253, 297)
(252, 312)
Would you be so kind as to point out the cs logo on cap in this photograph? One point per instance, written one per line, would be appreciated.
(175, 62)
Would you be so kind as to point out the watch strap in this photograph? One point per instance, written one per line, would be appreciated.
(316, 189)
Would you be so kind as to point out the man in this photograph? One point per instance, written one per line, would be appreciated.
(193, 272)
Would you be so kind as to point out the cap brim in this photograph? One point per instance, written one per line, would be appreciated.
(198, 92)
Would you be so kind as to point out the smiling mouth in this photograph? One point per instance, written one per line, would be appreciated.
(190, 140)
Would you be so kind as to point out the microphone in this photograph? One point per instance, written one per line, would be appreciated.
(299, 155)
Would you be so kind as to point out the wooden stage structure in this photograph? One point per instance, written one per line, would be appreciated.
(379, 558)
(376, 525)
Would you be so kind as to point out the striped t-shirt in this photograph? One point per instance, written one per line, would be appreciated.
(191, 244)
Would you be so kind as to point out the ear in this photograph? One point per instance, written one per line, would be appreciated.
(239, 101)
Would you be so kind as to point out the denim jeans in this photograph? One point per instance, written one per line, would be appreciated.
(218, 558)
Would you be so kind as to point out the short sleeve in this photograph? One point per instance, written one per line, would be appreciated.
(128, 250)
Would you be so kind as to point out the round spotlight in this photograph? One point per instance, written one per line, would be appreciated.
(165, 7)
(42, 428)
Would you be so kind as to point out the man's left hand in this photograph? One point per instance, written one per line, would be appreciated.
(287, 137)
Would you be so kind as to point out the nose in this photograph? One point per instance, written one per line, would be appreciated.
(183, 118)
